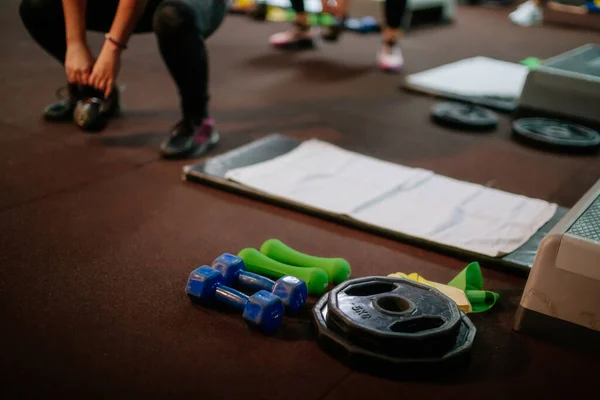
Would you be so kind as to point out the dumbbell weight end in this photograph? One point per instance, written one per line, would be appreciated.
(262, 310)
(253, 308)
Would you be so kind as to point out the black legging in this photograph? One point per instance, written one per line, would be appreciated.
(394, 11)
(181, 26)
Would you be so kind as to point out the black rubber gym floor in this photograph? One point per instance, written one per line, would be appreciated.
(98, 234)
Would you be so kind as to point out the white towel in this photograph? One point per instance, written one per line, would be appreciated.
(476, 76)
(324, 176)
(411, 201)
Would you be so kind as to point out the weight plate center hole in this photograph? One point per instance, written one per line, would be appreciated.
(416, 325)
(557, 131)
(369, 289)
(395, 305)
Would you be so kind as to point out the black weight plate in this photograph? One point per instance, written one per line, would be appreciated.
(394, 315)
(556, 133)
(464, 116)
(354, 352)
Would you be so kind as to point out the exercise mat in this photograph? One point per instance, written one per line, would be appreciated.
(343, 203)
(484, 81)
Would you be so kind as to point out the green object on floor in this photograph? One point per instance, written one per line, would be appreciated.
(531, 62)
(470, 280)
(337, 269)
(316, 279)
(325, 19)
(314, 19)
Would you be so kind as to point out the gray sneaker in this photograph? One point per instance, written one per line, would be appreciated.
(187, 139)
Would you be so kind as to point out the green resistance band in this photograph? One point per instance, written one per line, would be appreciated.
(470, 280)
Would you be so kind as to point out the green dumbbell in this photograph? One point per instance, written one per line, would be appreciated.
(315, 278)
(337, 269)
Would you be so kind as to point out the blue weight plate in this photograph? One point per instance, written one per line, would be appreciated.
(339, 344)
(394, 315)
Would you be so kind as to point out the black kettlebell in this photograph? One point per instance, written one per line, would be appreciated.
(90, 110)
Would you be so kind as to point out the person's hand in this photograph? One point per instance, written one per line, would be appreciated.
(106, 69)
(78, 63)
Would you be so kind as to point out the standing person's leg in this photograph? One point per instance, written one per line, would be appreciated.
(529, 13)
(339, 12)
(390, 57)
(181, 28)
(45, 22)
(299, 36)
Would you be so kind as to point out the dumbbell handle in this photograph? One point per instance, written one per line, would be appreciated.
(337, 269)
(316, 279)
(255, 281)
(231, 297)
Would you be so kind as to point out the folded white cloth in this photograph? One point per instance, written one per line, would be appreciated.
(476, 76)
(411, 201)
(324, 176)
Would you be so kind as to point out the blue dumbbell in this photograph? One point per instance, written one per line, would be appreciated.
(291, 290)
(262, 310)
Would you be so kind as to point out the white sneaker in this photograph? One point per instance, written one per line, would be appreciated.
(390, 58)
(527, 14)
(293, 38)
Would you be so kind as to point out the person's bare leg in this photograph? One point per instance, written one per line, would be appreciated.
(301, 19)
(390, 34)
(325, 7)
(390, 57)
(339, 10)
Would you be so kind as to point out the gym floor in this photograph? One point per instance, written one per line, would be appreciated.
(98, 234)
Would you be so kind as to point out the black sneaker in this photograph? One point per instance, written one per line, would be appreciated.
(63, 109)
(332, 33)
(188, 139)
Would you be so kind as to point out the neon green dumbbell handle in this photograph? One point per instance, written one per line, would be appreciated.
(337, 269)
(316, 279)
